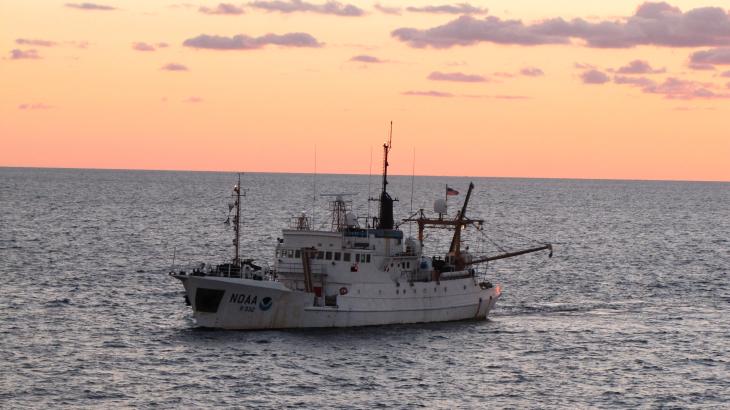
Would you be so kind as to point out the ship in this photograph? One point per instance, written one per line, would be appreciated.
(352, 274)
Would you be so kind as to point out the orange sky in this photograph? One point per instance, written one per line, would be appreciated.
(76, 92)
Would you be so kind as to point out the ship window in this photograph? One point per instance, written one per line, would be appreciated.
(328, 256)
(277, 253)
(290, 253)
(337, 256)
(346, 256)
(357, 257)
(297, 254)
(368, 258)
(320, 255)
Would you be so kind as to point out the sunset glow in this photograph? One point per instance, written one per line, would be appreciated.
(527, 88)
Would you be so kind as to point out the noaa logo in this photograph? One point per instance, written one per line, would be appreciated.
(266, 303)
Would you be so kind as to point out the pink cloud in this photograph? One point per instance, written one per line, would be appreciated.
(713, 56)
(428, 94)
(456, 76)
(701, 66)
(633, 80)
(292, 6)
(386, 9)
(725, 74)
(653, 24)
(244, 42)
(594, 77)
(511, 97)
(90, 6)
(461, 8)
(222, 9)
(174, 67)
(35, 106)
(639, 67)
(141, 46)
(18, 54)
(193, 100)
(678, 89)
(367, 59)
(532, 72)
(35, 42)
(503, 74)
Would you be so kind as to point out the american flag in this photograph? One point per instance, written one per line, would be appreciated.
(451, 191)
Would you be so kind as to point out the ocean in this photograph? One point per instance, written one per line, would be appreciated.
(631, 311)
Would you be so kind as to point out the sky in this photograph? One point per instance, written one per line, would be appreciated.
(522, 88)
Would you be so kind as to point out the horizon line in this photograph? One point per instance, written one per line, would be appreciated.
(363, 174)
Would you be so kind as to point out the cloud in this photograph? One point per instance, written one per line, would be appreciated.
(503, 74)
(293, 6)
(583, 66)
(456, 76)
(639, 67)
(35, 106)
(193, 100)
(725, 74)
(633, 80)
(174, 67)
(428, 94)
(713, 56)
(673, 88)
(35, 42)
(244, 42)
(461, 8)
(652, 24)
(18, 54)
(701, 66)
(677, 89)
(532, 72)
(511, 97)
(222, 9)
(367, 59)
(90, 6)
(141, 46)
(594, 77)
(386, 9)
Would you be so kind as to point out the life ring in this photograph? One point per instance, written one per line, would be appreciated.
(343, 291)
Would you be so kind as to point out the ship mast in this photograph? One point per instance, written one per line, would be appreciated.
(237, 222)
(385, 220)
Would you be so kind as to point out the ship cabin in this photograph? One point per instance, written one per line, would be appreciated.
(325, 262)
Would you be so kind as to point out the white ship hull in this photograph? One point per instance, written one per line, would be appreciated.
(233, 303)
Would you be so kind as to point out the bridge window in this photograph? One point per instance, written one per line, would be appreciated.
(346, 256)
(368, 258)
(337, 256)
(320, 255)
(357, 257)
(328, 255)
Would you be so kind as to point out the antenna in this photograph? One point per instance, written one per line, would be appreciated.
(314, 186)
(413, 180)
(370, 179)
